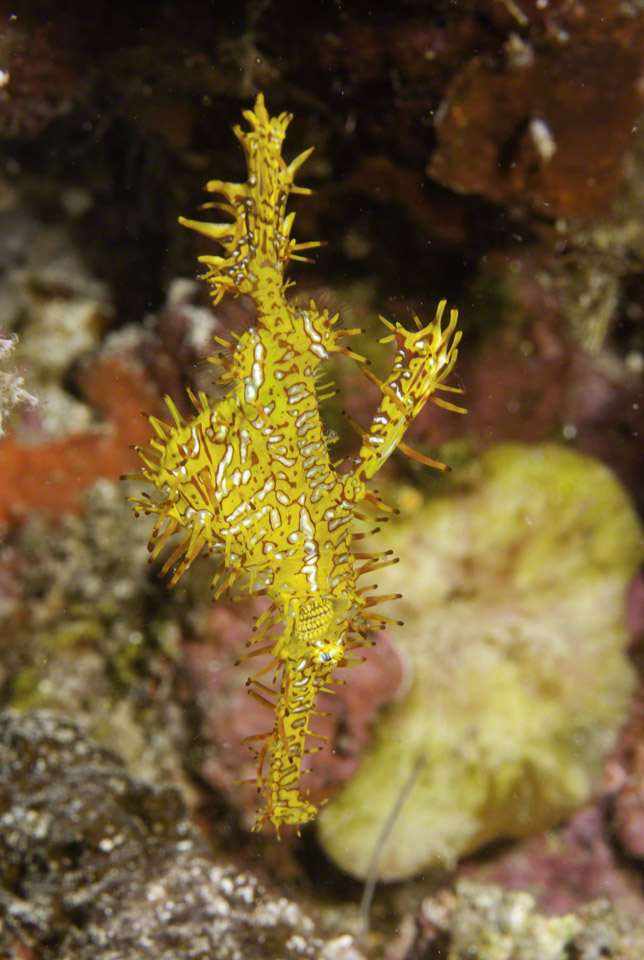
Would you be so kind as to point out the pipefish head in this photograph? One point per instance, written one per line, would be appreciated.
(318, 628)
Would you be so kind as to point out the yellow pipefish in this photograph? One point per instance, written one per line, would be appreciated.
(249, 480)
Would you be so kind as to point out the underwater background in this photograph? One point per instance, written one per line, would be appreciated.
(485, 765)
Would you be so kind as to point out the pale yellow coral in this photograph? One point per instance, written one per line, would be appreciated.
(514, 583)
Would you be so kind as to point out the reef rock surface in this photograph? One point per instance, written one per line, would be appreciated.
(96, 865)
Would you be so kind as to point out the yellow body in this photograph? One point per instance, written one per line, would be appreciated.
(249, 479)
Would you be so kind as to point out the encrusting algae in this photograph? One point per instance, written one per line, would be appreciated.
(248, 480)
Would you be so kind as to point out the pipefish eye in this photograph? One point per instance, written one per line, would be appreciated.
(325, 656)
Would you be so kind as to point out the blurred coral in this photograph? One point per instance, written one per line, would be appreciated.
(564, 867)
(515, 582)
(127, 874)
(457, 146)
(479, 921)
(12, 389)
(556, 145)
(53, 476)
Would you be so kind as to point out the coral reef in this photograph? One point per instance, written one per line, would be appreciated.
(82, 632)
(95, 865)
(485, 922)
(627, 775)
(515, 590)
(546, 134)
(567, 866)
(12, 390)
(489, 151)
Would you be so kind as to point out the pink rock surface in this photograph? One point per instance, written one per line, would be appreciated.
(566, 867)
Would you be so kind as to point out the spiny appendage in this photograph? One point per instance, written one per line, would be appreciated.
(423, 360)
(256, 239)
(186, 464)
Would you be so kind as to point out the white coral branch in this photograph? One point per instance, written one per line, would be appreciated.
(12, 391)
